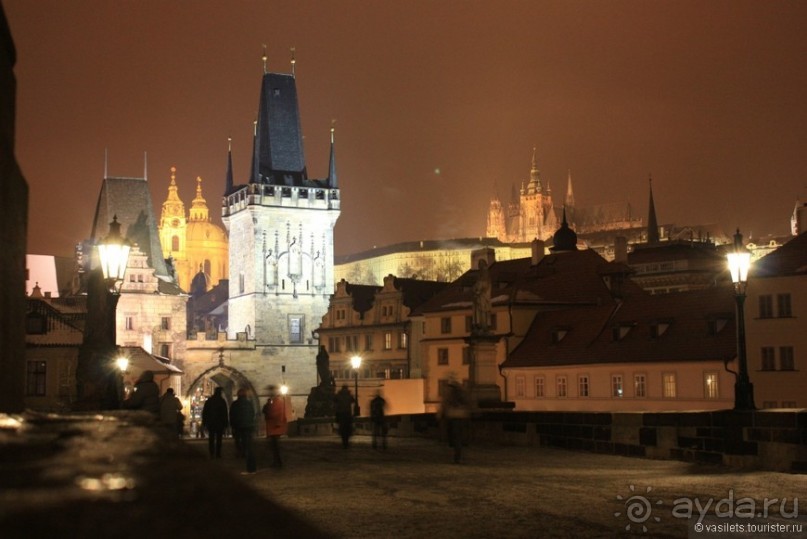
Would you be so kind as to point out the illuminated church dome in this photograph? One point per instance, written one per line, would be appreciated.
(196, 244)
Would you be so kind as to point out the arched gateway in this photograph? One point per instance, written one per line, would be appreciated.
(223, 376)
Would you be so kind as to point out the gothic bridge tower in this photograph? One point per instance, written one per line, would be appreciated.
(280, 226)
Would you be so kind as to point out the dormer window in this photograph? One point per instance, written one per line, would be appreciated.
(558, 334)
(657, 329)
(716, 325)
(620, 331)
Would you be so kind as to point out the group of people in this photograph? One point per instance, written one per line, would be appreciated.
(241, 418)
(168, 408)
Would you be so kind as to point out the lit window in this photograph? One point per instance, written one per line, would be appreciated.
(582, 385)
(539, 386)
(296, 329)
(521, 385)
(403, 340)
(639, 385)
(388, 341)
(560, 383)
(669, 386)
(616, 385)
(710, 385)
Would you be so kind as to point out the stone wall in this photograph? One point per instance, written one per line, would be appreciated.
(764, 439)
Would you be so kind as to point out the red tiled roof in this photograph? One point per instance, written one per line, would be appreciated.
(590, 338)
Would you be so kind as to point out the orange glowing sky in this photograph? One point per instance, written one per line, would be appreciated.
(709, 97)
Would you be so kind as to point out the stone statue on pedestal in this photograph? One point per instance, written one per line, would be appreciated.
(482, 304)
(320, 399)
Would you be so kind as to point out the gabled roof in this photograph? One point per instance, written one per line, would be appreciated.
(690, 326)
(789, 259)
(129, 199)
(363, 296)
(667, 251)
(567, 278)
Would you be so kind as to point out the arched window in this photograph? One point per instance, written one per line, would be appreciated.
(175, 243)
(207, 266)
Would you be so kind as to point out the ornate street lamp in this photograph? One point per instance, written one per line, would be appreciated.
(355, 362)
(739, 262)
(113, 253)
(96, 374)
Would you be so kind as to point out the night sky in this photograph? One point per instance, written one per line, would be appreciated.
(438, 105)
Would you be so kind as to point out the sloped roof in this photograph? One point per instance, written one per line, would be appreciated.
(363, 296)
(140, 360)
(426, 245)
(566, 278)
(129, 199)
(676, 250)
(589, 337)
(416, 292)
(789, 259)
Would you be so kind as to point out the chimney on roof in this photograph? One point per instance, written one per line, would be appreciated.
(621, 249)
(537, 251)
(47, 295)
(486, 253)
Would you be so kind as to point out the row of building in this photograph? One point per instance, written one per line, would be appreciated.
(572, 326)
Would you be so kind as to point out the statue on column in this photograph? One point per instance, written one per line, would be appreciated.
(320, 399)
(482, 303)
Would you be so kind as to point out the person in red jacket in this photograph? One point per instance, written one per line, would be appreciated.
(274, 413)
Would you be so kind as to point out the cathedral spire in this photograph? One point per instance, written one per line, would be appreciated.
(332, 181)
(652, 223)
(255, 178)
(293, 63)
(228, 175)
(569, 192)
(146, 166)
(264, 58)
(535, 176)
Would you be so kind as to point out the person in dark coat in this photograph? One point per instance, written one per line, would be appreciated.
(146, 395)
(343, 409)
(455, 413)
(215, 420)
(242, 421)
(171, 412)
(377, 415)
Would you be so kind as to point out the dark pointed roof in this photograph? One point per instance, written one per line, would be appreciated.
(129, 199)
(332, 180)
(228, 175)
(652, 223)
(279, 139)
(565, 239)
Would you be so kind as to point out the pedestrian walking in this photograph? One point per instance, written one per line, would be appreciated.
(171, 411)
(377, 415)
(242, 421)
(145, 395)
(343, 409)
(455, 414)
(215, 420)
(274, 414)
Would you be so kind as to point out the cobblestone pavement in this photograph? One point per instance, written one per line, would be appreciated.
(414, 490)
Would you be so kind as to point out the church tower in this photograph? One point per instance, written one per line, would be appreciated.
(173, 225)
(532, 206)
(496, 221)
(280, 226)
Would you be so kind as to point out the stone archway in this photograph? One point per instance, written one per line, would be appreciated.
(229, 379)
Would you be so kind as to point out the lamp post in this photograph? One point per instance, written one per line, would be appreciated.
(355, 362)
(739, 261)
(122, 363)
(95, 370)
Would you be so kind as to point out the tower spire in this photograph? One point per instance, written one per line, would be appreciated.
(106, 163)
(228, 175)
(146, 166)
(569, 191)
(652, 223)
(293, 62)
(332, 164)
(264, 58)
(535, 175)
(255, 153)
